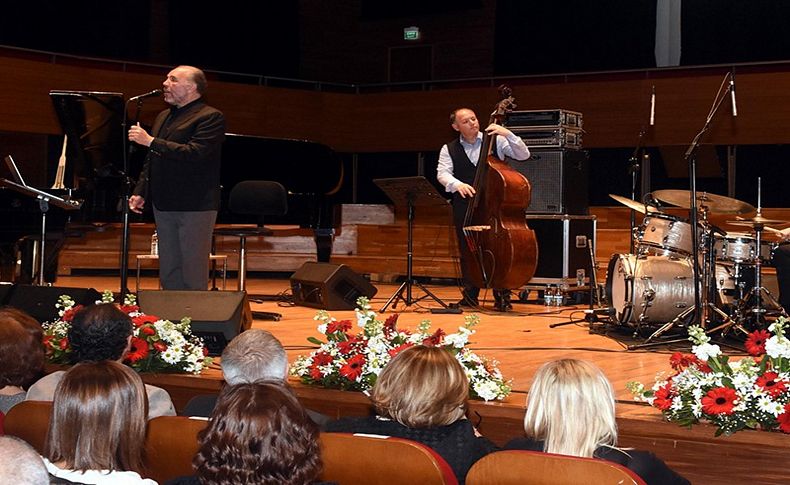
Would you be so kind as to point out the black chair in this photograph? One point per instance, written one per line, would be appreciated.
(255, 198)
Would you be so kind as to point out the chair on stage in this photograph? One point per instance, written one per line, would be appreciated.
(29, 420)
(379, 460)
(514, 467)
(258, 198)
(170, 445)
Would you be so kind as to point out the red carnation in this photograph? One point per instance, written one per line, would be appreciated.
(434, 339)
(160, 346)
(315, 372)
(719, 401)
(353, 367)
(138, 350)
(663, 397)
(322, 358)
(347, 346)
(64, 343)
(148, 330)
(784, 419)
(340, 326)
(680, 361)
(755, 342)
(141, 320)
(770, 384)
(129, 308)
(68, 315)
(389, 323)
(400, 348)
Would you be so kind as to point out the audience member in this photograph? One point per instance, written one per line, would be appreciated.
(254, 355)
(258, 433)
(101, 332)
(20, 464)
(97, 431)
(421, 395)
(21, 355)
(571, 411)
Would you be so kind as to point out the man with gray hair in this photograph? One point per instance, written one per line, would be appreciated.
(20, 464)
(253, 355)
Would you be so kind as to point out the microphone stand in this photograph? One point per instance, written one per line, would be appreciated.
(633, 170)
(700, 315)
(127, 184)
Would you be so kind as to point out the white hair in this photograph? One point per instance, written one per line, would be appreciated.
(252, 356)
(570, 407)
(20, 464)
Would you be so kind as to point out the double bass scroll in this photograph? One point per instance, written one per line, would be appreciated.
(503, 250)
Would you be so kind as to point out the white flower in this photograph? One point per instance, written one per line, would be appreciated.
(322, 329)
(777, 347)
(706, 351)
(487, 390)
(768, 405)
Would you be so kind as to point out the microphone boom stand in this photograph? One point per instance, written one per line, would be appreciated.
(127, 184)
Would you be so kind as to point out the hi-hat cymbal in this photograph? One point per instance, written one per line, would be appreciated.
(715, 203)
(755, 221)
(637, 206)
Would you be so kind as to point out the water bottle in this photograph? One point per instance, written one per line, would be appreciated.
(548, 295)
(154, 244)
(558, 296)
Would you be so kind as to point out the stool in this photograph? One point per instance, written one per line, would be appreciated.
(155, 257)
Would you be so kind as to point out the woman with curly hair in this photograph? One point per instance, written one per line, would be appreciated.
(97, 431)
(570, 411)
(258, 433)
(21, 355)
(421, 396)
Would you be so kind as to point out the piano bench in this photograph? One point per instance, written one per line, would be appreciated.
(155, 257)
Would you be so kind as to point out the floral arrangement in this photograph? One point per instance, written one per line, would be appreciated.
(753, 392)
(353, 362)
(157, 345)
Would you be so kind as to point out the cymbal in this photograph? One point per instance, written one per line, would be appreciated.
(715, 203)
(757, 220)
(637, 206)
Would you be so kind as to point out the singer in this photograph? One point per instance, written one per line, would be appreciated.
(180, 177)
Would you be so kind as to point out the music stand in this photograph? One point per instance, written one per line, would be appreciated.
(411, 192)
(44, 200)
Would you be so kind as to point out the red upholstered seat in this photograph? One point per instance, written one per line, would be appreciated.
(170, 444)
(29, 420)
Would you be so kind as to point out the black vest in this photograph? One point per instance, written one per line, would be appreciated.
(463, 168)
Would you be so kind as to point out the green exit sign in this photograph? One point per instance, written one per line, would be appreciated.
(411, 33)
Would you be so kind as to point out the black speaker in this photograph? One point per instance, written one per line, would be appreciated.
(39, 301)
(5, 292)
(217, 316)
(329, 286)
(559, 180)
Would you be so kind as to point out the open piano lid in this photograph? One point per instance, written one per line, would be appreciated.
(93, 122)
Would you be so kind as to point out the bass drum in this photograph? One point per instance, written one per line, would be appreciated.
(649, 289)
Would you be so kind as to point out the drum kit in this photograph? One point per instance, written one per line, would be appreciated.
(653, 290)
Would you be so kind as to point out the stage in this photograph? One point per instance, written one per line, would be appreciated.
(521, 341)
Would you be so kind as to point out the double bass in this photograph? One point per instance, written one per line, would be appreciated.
(503, 250)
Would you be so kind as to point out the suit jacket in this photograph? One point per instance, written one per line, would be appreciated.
(182, 168)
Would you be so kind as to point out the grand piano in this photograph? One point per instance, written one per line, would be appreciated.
(311, 172)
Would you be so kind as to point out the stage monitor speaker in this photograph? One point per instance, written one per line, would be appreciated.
(217, 316)
(5, 292)
(329, 286)
(39, 301)
(559, 180)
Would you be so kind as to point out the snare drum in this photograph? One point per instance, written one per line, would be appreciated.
(649, 288)
(664, 234)
(740, 248)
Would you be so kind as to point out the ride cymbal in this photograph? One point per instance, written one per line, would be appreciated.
(715, 203)
(637, 206)
(755, 221)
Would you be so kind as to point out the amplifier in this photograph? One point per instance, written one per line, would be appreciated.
(550, 137)
(559, 118)
(564, 243)
(559, 181)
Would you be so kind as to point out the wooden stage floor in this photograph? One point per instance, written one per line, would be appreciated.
(521, 341)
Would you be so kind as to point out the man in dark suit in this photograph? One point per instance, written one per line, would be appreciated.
(180, 177)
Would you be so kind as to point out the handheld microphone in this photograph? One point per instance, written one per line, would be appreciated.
(150, 94)
(732, 95)
(653, 107)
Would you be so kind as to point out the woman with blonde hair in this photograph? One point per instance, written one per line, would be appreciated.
(571, 411)
(97, 429)
(421, 396)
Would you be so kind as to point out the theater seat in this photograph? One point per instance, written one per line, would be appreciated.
(516, 467)
(369, 460)
(170, 444)
(29, 420)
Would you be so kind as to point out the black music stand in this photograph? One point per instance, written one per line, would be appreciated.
(44, 200)
(412, 192)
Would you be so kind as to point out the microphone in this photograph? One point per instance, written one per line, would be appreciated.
(732, 95)
(653, 106)
(150, 94)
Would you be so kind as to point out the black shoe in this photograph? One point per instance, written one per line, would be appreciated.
(502, 300)
(469, 297)
(467, 302)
